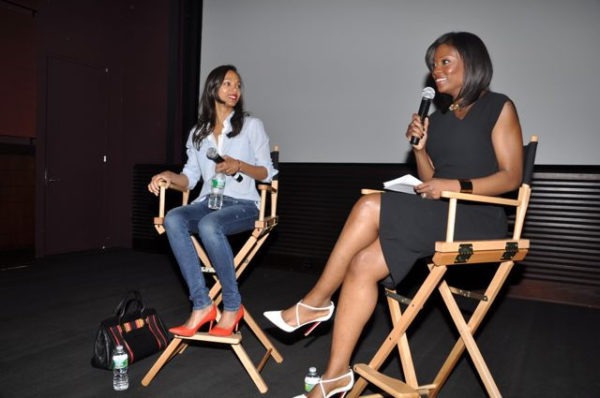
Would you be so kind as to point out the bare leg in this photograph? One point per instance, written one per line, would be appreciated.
(361, 230)
(357, 301)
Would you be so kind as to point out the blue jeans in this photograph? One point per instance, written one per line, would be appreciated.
(212, 226)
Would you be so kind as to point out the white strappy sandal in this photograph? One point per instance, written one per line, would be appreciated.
(277, 320)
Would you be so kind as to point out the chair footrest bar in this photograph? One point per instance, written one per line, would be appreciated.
(235, 338)
(396, 388)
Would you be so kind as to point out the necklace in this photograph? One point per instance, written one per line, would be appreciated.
(454, 107)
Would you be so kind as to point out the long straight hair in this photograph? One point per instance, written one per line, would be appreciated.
(478, 68)
(208, 114)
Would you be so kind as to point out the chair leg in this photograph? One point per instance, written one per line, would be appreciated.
(466, 335)
(430, 283)
(246, 253)
(249, 366)
(172, 349)
(262, 337)
(408, 367)
(200, 251)
(474, 322)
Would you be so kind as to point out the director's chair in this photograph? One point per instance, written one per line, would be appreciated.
(262, 228)
(447, 254)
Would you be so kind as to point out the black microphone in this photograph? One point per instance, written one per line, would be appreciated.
(213, 155)
(426, 96)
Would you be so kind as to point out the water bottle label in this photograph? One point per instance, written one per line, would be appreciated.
(218, 183)
(311, 382)
(120, 361)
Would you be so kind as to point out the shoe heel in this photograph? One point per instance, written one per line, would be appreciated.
(310, 329)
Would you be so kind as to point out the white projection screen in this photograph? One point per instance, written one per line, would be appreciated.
(336, 80)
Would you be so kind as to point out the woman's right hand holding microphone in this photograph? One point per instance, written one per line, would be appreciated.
(419, 130)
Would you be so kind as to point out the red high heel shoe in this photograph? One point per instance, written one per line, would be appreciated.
(219, 331)
(188, 332)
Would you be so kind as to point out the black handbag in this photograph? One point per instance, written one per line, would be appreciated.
(138, 329)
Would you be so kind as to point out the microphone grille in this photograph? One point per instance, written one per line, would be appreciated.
(212, 153)
(428, 93)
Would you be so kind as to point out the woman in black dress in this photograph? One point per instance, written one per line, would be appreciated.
(473, 146)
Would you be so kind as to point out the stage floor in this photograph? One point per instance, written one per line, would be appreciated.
(51, 310)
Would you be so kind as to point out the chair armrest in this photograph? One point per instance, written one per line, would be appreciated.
(158, 221)
(266, 187)
(479, 198)
(163, 184)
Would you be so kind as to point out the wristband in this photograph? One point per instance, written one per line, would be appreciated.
(466, 186)
(239, 166)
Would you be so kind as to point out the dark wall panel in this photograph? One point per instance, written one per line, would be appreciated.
(17, 196)
(130, 41)
(18, 50)
(564, 224)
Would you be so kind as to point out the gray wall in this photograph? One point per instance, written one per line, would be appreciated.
(337, 80)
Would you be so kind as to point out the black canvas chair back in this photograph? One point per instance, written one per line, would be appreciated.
(529, 152)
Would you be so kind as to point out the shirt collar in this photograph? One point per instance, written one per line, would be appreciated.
(227, 124)
(226, 130)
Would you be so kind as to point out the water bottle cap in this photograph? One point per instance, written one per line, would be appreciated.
(312, 369)
(119, 348)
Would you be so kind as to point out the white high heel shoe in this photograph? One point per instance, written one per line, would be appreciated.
(277, 320)
(341, 390)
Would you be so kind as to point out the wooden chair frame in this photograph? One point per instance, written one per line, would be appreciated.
(262, 228)
(448, 253)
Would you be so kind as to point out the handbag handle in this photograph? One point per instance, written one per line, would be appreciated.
(132, 296)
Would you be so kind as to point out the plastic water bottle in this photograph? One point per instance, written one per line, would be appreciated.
(311, 379)
(215, 199)
(120, 362)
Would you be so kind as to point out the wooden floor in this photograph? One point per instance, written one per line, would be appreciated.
(51, 308)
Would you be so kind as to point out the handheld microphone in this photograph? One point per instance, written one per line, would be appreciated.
(213, 155)
(426, 96)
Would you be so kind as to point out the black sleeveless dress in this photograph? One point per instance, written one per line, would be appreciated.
(460, 149)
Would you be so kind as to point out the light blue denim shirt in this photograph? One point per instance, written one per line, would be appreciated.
(251, 146)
